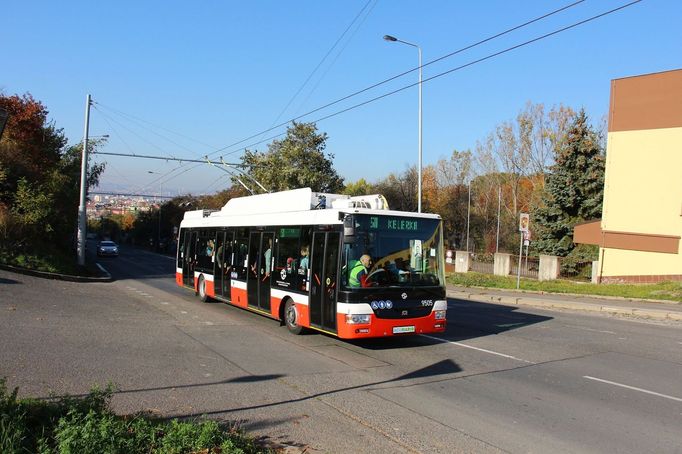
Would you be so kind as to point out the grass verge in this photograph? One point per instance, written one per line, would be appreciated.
(88, 425)
(52, 261)
(664, 291)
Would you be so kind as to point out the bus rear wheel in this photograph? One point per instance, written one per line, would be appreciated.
(291, 318)
(201, 289)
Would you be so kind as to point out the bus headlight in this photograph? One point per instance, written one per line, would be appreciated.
(440, 315)
(358, 319)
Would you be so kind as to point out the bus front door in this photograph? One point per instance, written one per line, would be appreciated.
(324, 272)
(189, 258)
(260, 266)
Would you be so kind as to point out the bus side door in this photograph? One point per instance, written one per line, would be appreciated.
(324, 272)
(260, 266)
(189, 258)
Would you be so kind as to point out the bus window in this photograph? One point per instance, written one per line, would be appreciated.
(287, 258)
(206, 250)
(303, 264)
(404, 251)
(241, 248)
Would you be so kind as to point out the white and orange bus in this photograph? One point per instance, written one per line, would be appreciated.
(294, 256)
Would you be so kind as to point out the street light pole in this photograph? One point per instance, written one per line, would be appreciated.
(419, 165)
(82, 219)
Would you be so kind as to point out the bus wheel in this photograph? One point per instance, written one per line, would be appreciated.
(201, 289)
(291, 318)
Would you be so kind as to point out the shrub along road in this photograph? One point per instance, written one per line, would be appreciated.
(500, 379)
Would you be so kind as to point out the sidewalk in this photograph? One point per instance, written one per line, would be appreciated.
(618, 306)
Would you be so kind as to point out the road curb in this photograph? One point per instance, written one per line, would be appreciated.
(655, 314)
(58, 276)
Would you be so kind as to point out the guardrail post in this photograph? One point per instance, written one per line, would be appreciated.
(502, 264)
(461, 261)
(549, 268)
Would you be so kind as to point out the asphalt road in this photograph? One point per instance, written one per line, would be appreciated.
(500, 379)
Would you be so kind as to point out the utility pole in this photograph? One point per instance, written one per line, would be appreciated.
(499, 205)
(82, 219)
(468, 215)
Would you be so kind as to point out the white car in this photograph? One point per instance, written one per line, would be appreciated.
(107, 248)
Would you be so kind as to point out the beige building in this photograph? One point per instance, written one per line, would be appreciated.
(639, 233)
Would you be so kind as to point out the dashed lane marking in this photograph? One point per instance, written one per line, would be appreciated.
(459, 344)
(582, 328)
(634, 388)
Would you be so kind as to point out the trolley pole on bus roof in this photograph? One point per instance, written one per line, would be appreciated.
(82, 219)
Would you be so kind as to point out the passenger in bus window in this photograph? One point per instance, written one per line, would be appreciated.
(303, 263)
(223, 261)
(209, 248)
(359, 272)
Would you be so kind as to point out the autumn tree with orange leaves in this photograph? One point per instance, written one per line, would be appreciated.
(39, 180)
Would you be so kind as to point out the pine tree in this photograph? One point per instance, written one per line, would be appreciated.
(574, 189)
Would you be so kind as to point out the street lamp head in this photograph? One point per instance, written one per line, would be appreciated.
(390, 38)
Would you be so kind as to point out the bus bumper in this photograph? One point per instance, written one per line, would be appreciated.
(388, 327)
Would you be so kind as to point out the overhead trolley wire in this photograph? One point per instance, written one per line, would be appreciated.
(471, 63)
(470, 46)
(336, 57)
(385, 81)
(444, 73)
(312, 73)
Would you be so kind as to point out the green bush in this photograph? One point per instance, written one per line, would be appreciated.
(86, 425)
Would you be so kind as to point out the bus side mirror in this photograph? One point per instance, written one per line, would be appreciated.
(348, 228)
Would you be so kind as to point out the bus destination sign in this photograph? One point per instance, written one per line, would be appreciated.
(409, 225)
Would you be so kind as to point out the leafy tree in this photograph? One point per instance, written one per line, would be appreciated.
(400, 190)
(360, 187)
(30, 145)
(39, 179)
(574, 188)
(296, 161)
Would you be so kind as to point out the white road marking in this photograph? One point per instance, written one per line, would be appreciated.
(183, 312)
(164, 303)
(209, 323)
(590, 329)
(653, 393)
(479, 349)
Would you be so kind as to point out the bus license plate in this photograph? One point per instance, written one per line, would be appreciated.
(403, 329)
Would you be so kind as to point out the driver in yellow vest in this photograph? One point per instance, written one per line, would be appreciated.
(358, 273)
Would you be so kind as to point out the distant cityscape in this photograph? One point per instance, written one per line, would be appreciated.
(107, 205)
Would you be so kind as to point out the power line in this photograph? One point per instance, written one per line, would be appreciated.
(338, 40)
(360, 91)
(167, 158)
(336, 57)
(458, 68)
(478, 43)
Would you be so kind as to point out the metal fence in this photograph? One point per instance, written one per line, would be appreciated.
(575, 271)
(481, 263)
(530, 266)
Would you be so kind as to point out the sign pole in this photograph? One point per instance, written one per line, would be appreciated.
(524, 221)
(518, 267)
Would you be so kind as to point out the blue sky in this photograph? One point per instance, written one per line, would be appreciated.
(212, 73)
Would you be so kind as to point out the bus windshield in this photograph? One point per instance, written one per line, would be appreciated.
(404, 252)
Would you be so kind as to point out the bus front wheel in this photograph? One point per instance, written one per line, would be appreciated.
(291, 318)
